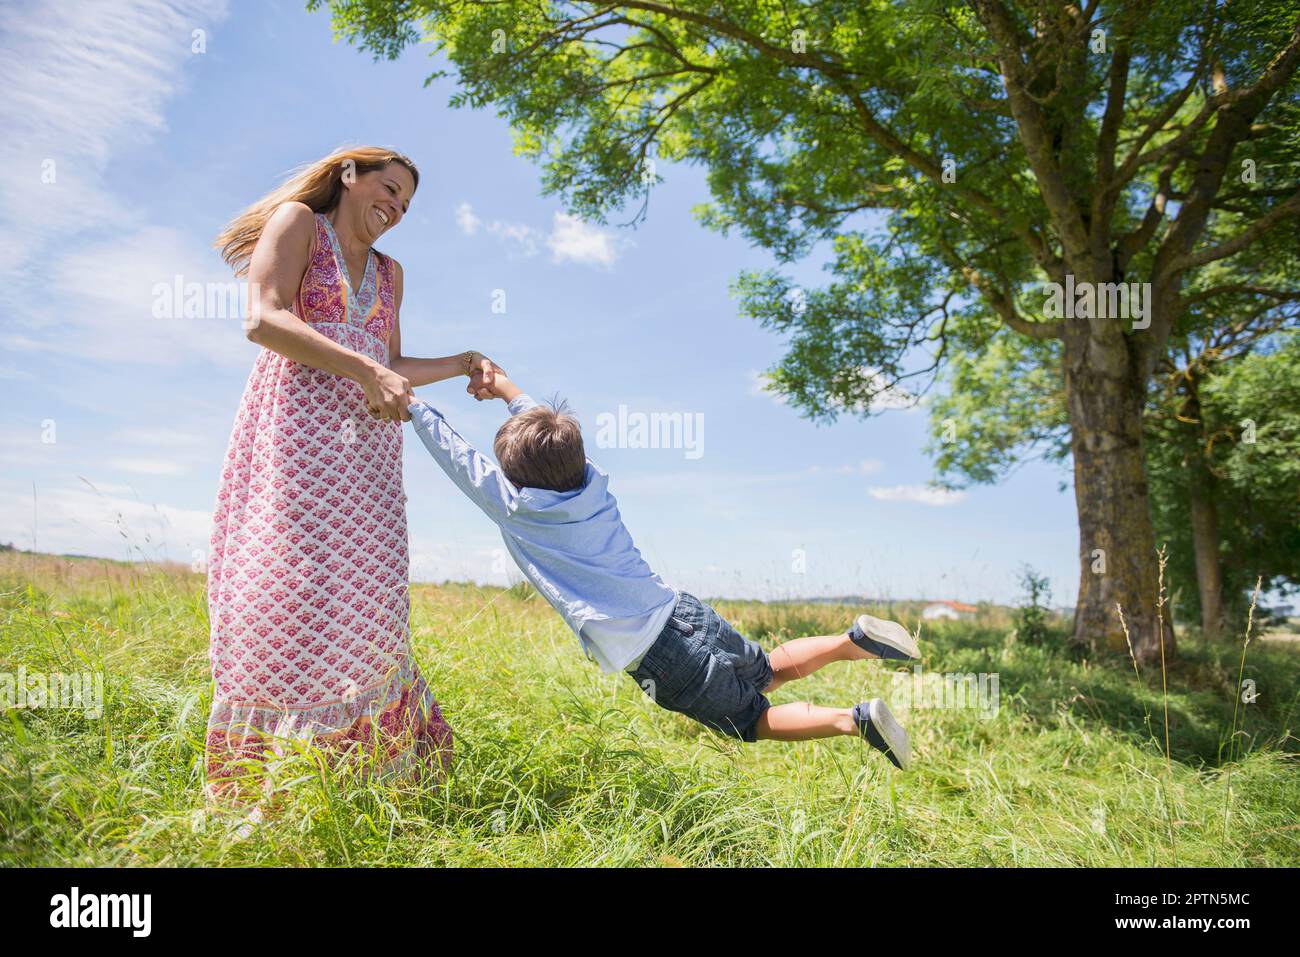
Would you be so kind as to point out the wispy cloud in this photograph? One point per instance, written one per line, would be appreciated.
(58, 444)
(519, 237)
(109, 292)
(30, 445)
(148, 466)
(158, 438)
(480, 559)
(865, 467)
(691, 481)
(920, 494)
(80, 518)
(885, 397)
(466, 220)
(570, 239)
(80, 78)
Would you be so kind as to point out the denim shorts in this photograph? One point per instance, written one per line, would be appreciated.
(703, 668)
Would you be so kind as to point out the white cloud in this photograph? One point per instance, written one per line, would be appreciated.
(17, 342)
(569, 239)
(920, 494)
(69, 447)
(694, 482)
(166, 438)
(79, 78)
(482, 559)
(33, 445)
(572, 240)
(89, 520)
(106, 310)
(885, 397)
(466, 220)
(149, 466)
(865, 467)
(524, 239)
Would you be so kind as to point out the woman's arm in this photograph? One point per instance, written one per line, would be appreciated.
(425, 371)
(274, 276)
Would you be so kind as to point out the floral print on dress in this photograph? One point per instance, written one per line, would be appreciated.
(308, 570)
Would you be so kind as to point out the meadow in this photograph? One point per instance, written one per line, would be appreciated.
(559, 765)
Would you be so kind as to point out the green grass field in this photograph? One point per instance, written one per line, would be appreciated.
(557, 764)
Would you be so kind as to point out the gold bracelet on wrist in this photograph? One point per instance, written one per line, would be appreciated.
(469, 361)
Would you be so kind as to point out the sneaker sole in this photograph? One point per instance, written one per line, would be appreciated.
(891, 731)
(889, 633)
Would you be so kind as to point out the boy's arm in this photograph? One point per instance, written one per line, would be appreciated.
(474, 473)
(521, 403)
(517, 400)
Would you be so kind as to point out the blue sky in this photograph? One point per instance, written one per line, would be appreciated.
(114, 422)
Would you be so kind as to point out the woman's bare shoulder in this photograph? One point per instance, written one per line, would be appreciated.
(293, 214)
(293, 223)
(289, 236)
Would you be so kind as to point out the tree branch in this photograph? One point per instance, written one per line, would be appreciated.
(1033, 131)
(1239, 289)
(999, 300)
(1291, 207)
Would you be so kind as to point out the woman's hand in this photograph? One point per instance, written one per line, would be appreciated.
(387, 394)
(482, 373)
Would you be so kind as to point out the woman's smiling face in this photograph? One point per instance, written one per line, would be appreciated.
(379, 199)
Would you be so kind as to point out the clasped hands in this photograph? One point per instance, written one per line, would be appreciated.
(486, 381)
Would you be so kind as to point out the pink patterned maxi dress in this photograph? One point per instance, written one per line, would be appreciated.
(307, 578)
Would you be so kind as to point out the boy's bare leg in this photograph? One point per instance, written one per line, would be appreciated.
(801, 721)
(872, 720)
(800, 657)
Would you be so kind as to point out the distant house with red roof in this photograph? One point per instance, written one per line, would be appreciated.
(952, 610)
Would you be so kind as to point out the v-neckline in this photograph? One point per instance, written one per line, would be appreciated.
(341, 261)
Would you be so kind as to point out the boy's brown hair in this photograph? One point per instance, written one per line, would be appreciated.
(542, 448)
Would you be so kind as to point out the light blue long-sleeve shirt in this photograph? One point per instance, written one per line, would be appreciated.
(572, 546)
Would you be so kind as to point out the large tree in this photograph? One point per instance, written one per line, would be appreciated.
(1222, 434)
(1004, 145)
(1222, 439)
(1225, 476)
(1221, 425)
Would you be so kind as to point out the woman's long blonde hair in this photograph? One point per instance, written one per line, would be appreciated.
(319, 185)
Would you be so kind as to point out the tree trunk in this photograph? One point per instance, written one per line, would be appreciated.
(1105, 391)
(1205, 543)
(1202, 508)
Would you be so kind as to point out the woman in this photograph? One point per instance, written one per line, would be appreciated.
(307, 581)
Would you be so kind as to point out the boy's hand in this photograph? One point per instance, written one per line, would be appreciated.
(500, 386)
(481, 371)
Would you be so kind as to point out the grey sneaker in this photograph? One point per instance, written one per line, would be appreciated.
(876, 723)
(884, 639)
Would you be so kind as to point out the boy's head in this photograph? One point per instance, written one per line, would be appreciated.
(542, 448)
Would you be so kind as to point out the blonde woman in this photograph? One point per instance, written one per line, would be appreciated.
(307, 581)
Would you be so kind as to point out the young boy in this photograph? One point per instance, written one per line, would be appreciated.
(562, 527)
